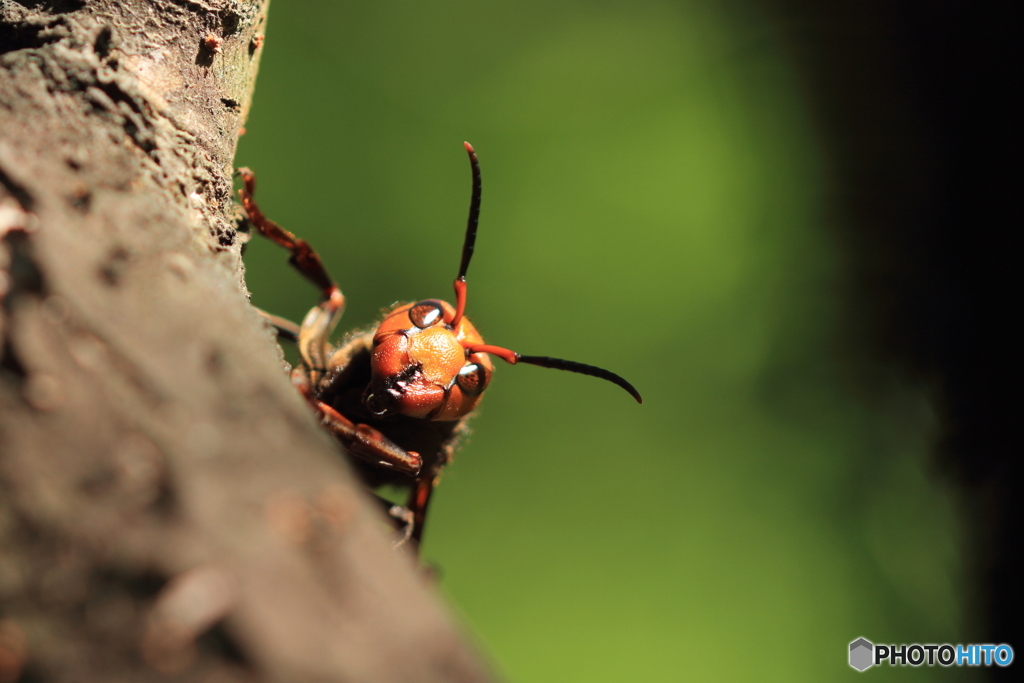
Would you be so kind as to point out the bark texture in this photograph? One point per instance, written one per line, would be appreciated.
(169, 508)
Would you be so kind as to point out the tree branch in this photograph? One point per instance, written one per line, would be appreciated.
(168, 504)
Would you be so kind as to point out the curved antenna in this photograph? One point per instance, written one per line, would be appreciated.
(474, 213)
(583, 369)
(557, 364)
(470, 242)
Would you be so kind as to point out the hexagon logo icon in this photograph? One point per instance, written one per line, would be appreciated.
(861, 651)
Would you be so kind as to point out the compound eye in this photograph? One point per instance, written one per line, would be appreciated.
(426, 313)
(473, 379)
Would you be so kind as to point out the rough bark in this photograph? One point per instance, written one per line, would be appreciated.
(169, 508)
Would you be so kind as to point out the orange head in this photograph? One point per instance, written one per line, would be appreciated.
(429, 361)
(422, 365)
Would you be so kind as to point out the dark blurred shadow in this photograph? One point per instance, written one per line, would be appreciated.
(914, 103)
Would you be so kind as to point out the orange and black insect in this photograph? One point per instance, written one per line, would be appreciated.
(398, 397)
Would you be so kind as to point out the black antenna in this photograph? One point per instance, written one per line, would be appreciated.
(511, 357)
(470, 242)
(583, 369)
(508, 355)
(474, 214)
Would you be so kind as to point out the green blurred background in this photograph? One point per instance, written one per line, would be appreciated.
(653, 203)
